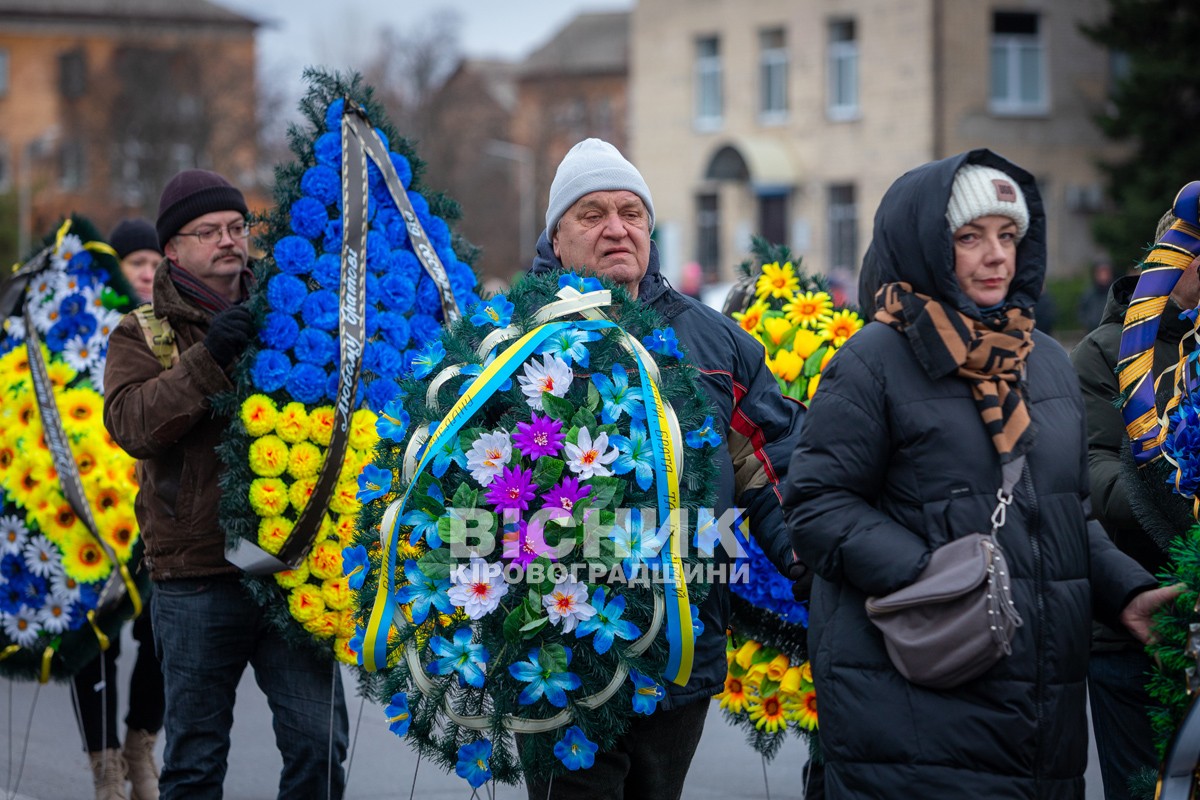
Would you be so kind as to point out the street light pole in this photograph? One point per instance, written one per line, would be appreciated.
(524, 158)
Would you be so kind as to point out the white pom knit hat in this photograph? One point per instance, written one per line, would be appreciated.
(981, 191)
(593, 165)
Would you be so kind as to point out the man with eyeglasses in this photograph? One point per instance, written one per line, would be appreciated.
(207, 629)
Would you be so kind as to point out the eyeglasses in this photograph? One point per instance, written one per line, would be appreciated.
(237, 230)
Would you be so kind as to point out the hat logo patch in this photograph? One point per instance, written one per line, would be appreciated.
(1005, 191)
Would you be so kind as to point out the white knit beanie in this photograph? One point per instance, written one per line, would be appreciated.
(593, 165)
(981, 191)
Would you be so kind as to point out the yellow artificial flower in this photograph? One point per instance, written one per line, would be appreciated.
(809, 309)
(258, 415)
(84, 560)
(768, 713)
(745, 654)
(8, 457)
(320, 423)
(812, 385)
(343, 652)
(60, 373)
(120, 531)
(344, 499)
(107, 496)
(346, 622)
(268, 456)
(323, 626)
(336, 592)
(79, 408)
(290, 579)
(791, 681)
(300, 492)
(777, 667)
(268, 497)
(734, 698)
(304, 460)
(345, 528)
(86, 460)
(806, 343)
(292, 424)
(305, 602)
(325, 560)
(786, 365)
(776, 281)
(59, 522)
(805, 711)
(806, 678)
(825, 358)
(752, 317)
(777, 329)
(362, 430)
(840, 327)
(273, 532)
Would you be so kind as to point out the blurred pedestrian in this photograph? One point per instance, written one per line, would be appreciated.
(136, 243)
(1095, 297)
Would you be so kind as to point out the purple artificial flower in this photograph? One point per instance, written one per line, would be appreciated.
(523, 544)
(512, 488)
(541, 437)
(562, 498)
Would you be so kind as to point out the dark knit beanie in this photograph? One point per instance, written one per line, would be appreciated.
(194, 193)
(132, 235)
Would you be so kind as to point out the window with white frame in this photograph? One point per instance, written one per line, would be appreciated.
(843, 70)
(772, 72)
(843, 226)
(708, 82)
(708, 236)
(1018, 69)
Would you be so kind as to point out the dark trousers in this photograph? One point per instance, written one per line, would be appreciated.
(650, 762)
(96, 686)
(1118, 698)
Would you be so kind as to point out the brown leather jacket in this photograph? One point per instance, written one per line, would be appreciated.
(163, 418)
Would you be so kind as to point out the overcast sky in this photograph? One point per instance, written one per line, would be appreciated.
(331, 33)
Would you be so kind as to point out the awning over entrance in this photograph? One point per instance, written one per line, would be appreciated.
(763, 162)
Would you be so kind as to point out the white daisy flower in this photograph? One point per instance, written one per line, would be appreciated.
(553, 375)
(55, 616)
(41, 556)
(45, 315)
(22, 627)
(106, 321)
(568, 603)
(70, 245)
(65, 587)
(13, 534)
(488, 456)
(14, 328)
(82, 354)
(590, 457)
(96, 375)
(44, 285)
(477, 588)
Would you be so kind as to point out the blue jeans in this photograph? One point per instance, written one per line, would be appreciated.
(1118, 699)
(206, 632)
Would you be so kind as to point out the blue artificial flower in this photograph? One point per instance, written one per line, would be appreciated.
(58, 335)
(393, 421)
(425, 593)
(373, 483)
(397, 293)
(356, 643)
(355, 565)
(460, 656)
(12, 567)
(636, 455)
(704, 435)
(429, 358)
(286, 293)
(403, 170)
(707, 533)
(270, 371)
(380, 392)
(307, 217)
(322, 184)
(663, 340)
(606, 623)
(542, 678)
(438, 233)
(406, 264)
(570, 345)
(328, 149)
(332, 243)
(327, 271)
(320, 310)
(496, 312)
(73, 304)
(697, 623)
(394, 328)
(579, 283)
(80, 262)
(423, 328)
(634, 544)
(574, 750)
(33, 590)
(314, 347)
(420, 207)
(398, 716)
(333, 114)
(475, 370)
(10, 598)
(618, 397)
(428, 298)
(450, 452)
(379, 255)
(306, 383)
(646, 693)
(294, 255)
(424, 526)
(473, 764)
(382, 359)
(279, 330)
(764, 587)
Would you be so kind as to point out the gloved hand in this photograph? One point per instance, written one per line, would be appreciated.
(802, 580)
(228, 334)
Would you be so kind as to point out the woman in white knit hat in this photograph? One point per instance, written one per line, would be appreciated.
(921, 418)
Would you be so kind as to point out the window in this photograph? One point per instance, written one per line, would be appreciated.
(773, 216)
(1018, 79)
(3, 72)
(708, 83)
(772, 71)
(72, 74)
(843, 226)
(72, 165)
(708, 236)
(843, 70)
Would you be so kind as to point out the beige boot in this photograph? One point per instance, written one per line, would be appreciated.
(143, 772)
(108, 772)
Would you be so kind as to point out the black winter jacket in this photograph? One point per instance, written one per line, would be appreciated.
(759, 429)
(895, 463)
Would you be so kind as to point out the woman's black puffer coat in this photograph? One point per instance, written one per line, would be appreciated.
(893, 464)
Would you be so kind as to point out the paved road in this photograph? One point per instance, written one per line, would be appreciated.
(55, 768)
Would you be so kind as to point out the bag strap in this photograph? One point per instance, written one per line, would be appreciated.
(1010, 474)
(159, 335)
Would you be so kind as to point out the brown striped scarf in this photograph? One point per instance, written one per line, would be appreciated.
(990, 356)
